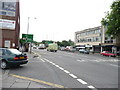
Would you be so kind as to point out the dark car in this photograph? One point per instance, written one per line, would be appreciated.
(84, 51)
(11, 57)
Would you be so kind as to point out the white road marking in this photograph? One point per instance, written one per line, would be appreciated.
(42, 60)
(81, 60)
(73, 76)
(91, 86)
(53, 63)
(46, 59)
(66, 71)
(81, 81)
(114, 65)
(61, 68)
(49, 62)
(57, 66)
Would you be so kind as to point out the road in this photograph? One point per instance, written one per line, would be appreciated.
(71, 70)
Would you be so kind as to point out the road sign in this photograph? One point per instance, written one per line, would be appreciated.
(27, 37)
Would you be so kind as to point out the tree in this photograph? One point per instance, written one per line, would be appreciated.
(71, 43)
(59, 43)
(112, 21)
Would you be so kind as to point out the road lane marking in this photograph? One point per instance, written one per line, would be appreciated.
(53, 63)
(81, 81)
(42, 60)
(91, 86)
(72, 75)
(57, 65)
(66, 71)
(39, 81)
(46, 59)
(61, 68)
(114, 65)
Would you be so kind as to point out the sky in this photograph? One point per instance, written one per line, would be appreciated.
(58, 20)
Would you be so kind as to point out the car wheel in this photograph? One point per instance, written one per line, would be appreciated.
(4, 65)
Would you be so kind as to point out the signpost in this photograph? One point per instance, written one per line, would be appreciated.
(28, 38)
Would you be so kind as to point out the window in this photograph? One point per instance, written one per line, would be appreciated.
(15, 51)
(8, 52)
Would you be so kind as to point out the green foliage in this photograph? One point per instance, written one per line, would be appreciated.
(46, 41)
(65, 43)
(112, 20)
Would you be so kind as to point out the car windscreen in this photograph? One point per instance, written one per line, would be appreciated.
(15, 51)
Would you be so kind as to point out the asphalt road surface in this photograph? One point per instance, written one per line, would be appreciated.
(71, 70)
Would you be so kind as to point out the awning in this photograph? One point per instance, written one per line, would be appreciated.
(80, 47)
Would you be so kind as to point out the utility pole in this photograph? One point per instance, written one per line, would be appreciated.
(28, 33)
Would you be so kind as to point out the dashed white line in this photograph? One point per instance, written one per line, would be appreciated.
(53, 63)
(91, 86)
(42, 60)
(114, 65)
(66, 71)
(46, 59)
(57, 66)
(81, 81)
(72, 75)
(61, 68)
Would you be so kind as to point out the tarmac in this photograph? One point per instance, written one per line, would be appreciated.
(10, 82)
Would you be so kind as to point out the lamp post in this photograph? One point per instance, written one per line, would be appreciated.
(28, 32)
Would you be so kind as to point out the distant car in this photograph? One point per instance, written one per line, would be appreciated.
(84, 51)
(42, 46)
(11, 57)
(62, 48)
(34, 47)
(72, 49)
(107, 53)
(118, 53)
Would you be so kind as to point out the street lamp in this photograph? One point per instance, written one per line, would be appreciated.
(28, 30)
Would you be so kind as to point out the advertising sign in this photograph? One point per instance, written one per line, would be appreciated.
(7, 24)
(7, 8)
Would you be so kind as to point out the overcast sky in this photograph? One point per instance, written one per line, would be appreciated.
(58, 20)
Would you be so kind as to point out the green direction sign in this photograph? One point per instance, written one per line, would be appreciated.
(27, 37)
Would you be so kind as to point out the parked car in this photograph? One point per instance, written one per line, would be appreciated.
(84, 51)
(107, 53)
(118, 53)
(72, 49)
(12, 57)
(34, 47)
(62, 48)
(42, 46)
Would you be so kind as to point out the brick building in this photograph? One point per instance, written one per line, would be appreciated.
(9, 24)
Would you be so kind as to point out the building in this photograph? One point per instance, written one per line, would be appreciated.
(9, 24)
(108, 43)
(89, 39)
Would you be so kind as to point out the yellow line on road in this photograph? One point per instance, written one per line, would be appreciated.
(39, 81)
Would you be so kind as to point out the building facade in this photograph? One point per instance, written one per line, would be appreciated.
(9, 24)
(108, 43)
(89, 38)
(96, 39)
